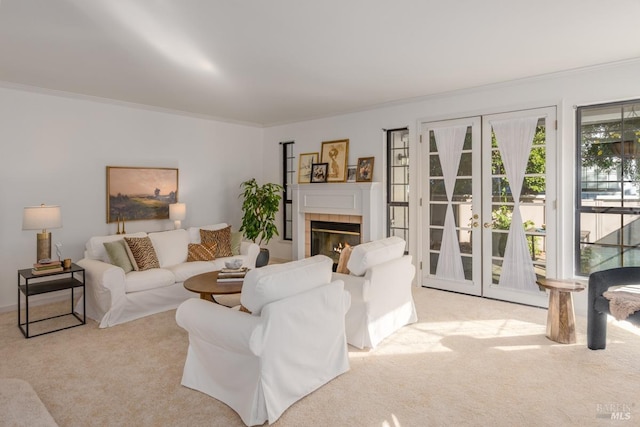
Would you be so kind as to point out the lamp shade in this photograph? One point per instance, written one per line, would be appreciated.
(41, 217)
(177, 211)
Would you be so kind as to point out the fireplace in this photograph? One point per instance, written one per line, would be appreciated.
(354, 203)
(329, 238)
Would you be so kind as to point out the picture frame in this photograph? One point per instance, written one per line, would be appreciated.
(351, 173)
(335, 154)
(140, 193)
(364, 170)
(305, 160)
(319, 172)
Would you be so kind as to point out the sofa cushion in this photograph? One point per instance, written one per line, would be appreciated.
(185, 270)
(170, 246)
(221, 237)
(142, 253)
(194, 232)
(201, 252)
(276, 281)
(118, 255)
(366, 255)
(95, 246)
(137, 281)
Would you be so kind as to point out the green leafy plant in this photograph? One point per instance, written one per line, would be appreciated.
(259, 206)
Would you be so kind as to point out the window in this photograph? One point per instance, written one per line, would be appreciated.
(608, 191)
(398, 183)
(288, 173)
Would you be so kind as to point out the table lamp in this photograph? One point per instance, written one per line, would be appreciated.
(177, 212)
(41, 218)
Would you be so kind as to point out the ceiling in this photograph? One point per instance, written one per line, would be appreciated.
(279, 61)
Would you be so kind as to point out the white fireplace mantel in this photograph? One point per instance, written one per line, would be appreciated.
(359, 198)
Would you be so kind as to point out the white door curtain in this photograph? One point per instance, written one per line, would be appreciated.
(515, 138)
(450, 142)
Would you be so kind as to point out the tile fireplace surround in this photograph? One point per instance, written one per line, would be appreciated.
(359, 202)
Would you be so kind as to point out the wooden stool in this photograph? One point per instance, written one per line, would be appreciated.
(561, 319)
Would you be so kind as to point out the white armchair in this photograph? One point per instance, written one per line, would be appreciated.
(292, 343)
(380, 286)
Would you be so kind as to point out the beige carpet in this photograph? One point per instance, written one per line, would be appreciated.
(468, 361)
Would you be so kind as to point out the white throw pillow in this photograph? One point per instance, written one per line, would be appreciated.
(277, 281)
(366, 255)
(171, 246)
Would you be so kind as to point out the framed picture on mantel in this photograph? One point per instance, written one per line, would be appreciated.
(336, 154)
(304, 167)
(351, 173)
(364, 169)
(319, 172)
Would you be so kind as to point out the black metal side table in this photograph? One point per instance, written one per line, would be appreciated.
(30, 284)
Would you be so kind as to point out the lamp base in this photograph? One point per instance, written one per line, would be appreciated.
(44, 246)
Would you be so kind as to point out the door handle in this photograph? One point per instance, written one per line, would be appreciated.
(488, 225)
(475, 224)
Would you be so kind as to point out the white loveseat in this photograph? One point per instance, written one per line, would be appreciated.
(114, 297)
(292, 343)
(379, 281)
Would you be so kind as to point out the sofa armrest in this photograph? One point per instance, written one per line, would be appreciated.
(251, 251)
(104, 283)
(389, 280)
(307, 324)
(600, 281)
(219, 325)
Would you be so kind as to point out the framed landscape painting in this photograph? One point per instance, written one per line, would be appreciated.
(336, 154)
(304, 167)
(140, 193)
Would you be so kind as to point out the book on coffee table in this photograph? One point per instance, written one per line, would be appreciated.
(230, 274)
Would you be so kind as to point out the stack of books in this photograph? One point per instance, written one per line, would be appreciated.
(232, 274)
(46, 267)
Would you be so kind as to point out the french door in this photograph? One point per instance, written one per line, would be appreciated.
(488, 198)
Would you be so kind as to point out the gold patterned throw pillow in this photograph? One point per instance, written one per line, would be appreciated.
(202, 252)
(344, 259)
(222, 238)
(142, 252)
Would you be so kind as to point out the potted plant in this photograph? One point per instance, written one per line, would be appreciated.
(259, 206)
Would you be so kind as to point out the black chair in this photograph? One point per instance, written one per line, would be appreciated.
(598, 307)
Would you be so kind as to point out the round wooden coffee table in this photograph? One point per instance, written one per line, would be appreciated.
(207, 285)
(561, 320)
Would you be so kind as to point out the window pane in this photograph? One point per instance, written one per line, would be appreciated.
(437, 214)
(435, 169)
(609, 177)
(398, 185)
(437, 192)
(465, 167)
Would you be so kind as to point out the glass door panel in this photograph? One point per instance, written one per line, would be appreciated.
(516, 158)
(450, 216)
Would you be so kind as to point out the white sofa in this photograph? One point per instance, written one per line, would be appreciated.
(379, 281)
(113, 297)
(292, 343)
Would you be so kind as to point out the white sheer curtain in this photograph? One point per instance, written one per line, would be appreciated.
(449, 142)
(514, 138)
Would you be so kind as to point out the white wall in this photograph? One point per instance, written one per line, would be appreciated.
(607, 83)
(55, 151)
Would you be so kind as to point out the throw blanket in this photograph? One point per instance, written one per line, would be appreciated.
(623, 301)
